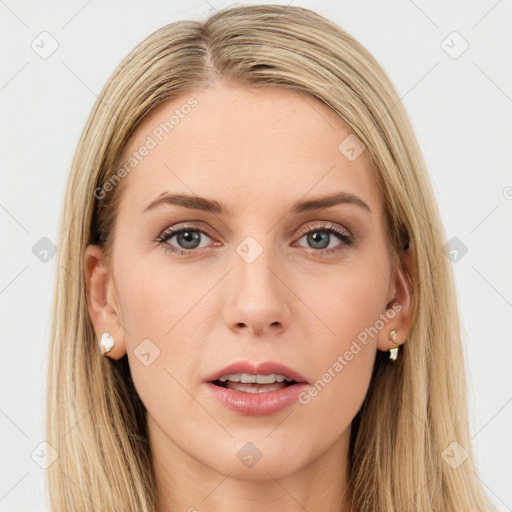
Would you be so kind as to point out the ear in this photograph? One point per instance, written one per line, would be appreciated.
(401, 295)
(102, 301)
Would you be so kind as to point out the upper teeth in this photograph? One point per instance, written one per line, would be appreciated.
(253, 379)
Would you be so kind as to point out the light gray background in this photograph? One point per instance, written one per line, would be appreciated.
(461, 110)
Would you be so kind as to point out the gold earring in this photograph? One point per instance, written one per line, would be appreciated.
(394, 351)
(107, 342)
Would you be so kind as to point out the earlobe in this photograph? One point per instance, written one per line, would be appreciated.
(102, 304)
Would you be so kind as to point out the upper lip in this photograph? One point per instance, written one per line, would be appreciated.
(262, 368)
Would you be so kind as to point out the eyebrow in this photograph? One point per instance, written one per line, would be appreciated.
(212, 206)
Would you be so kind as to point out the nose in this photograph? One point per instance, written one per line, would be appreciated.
(257, 296)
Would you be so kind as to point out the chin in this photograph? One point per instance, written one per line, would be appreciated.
(257, 461)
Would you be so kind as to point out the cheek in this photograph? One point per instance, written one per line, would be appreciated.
(346, 300)
(343, 368)
(350, 307)
(160, 312)
(157, 299)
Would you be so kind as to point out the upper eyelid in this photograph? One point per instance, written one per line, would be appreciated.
(327, 225)
(182, 226)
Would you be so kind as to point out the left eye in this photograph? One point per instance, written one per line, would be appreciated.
(320, 238)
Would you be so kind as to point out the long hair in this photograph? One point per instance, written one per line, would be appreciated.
(415, 408)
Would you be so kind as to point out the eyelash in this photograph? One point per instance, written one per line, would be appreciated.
(341, 234)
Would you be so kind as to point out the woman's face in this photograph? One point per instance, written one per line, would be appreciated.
(258, 275)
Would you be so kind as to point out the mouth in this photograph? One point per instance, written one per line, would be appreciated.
(256, 389)
(256, 378)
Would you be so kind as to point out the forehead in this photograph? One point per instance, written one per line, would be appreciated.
(247, 145)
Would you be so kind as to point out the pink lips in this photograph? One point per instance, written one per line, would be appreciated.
(257, 404)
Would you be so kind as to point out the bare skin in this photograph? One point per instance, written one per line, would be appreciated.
(302, 302)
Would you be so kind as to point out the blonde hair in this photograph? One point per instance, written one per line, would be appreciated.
(415, 407)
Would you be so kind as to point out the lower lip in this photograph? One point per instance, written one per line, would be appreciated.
(257, 404)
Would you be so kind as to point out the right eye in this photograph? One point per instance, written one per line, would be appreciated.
(188, 238)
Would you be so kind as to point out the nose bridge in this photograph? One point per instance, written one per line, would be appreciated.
(256, 295)
(254, 259)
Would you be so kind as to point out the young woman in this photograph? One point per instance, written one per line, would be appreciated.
(253, 308)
